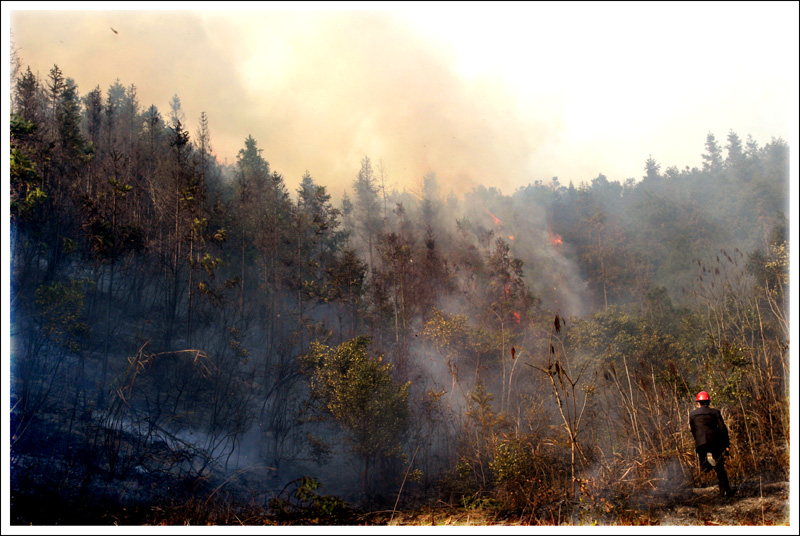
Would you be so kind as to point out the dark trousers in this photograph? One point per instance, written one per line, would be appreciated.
(719, 468)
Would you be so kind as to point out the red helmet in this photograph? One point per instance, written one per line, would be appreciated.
(702, 395)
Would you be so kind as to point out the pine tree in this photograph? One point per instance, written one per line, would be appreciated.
(367, 209)
(712, 158)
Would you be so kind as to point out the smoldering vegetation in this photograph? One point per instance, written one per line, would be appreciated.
(195, 343)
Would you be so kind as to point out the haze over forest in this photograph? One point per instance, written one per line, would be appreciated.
(499, 95)
(350, 271)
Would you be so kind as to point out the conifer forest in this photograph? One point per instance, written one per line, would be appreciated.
(194, 342)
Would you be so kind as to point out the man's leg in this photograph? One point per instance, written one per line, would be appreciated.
(722, 476)
(702, 457)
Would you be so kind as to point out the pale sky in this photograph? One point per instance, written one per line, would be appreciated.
(499, 94)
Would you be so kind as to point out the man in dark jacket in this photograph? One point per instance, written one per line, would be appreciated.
(711, 440)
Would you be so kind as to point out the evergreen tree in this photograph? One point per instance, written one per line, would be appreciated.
(93, 115)
(28, 99)
(712, 158)
(367, 209)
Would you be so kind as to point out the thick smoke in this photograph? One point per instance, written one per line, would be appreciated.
(321, 89)
(318, 91)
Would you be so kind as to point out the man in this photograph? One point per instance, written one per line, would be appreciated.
(711, 440)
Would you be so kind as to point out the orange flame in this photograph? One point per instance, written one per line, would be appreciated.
(511, 237)
(555, 238)
(517, 317)
(495, 219)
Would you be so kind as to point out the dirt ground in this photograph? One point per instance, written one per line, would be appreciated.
(756, 504)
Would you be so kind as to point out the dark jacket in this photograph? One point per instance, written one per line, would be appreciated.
(708, 428)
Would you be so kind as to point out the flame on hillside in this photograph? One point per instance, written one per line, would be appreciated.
(495, 219)
(499, 223)
(555, 238)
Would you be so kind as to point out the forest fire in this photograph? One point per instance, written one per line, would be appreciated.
(247, 373)
(499, 223)
(495, 219)
(555, 238)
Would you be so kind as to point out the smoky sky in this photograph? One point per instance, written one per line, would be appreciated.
(318, 91)
(498, 97)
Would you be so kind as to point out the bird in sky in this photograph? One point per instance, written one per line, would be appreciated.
(113, 30)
